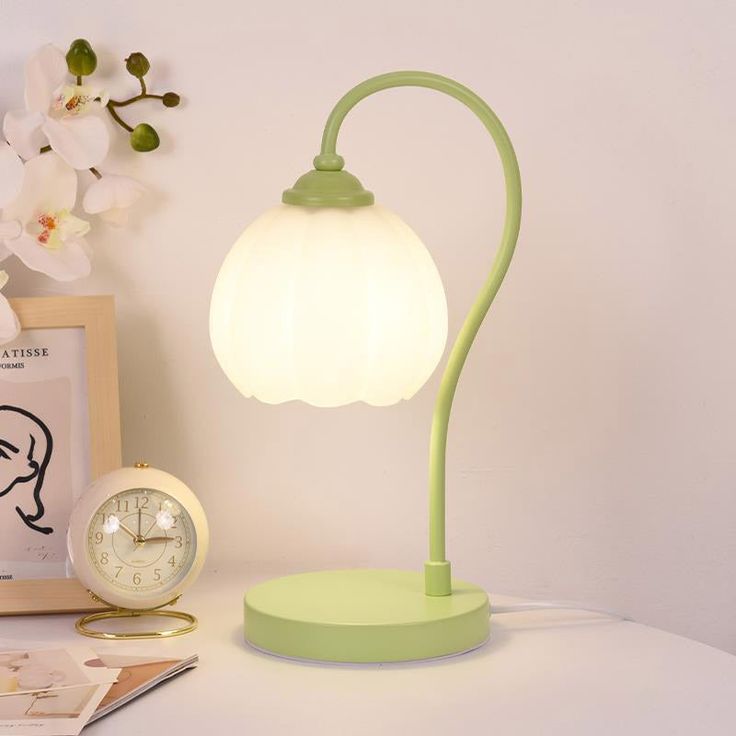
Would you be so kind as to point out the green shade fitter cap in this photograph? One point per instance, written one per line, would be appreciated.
(328, 185)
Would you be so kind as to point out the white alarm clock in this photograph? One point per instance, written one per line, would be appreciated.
(137, 538)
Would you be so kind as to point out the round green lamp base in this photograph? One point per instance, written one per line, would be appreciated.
(364, 616)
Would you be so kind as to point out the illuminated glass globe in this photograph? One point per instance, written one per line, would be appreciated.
(328, 305)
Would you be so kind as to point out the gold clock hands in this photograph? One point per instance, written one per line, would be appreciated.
(150, 529)
(129, 531)
(157, 539)
(139, 523)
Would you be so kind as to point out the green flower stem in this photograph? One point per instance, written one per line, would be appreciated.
(45, 149)
(141, 96)
(111, 109)
(143, 85)
(79, 80)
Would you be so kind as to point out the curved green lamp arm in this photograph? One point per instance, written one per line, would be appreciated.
(437, 569)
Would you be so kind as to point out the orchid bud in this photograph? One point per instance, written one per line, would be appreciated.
(137, 64)
(144, 138)
(81, 59)
(171, 99)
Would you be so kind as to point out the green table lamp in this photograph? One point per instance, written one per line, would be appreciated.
(330, 299)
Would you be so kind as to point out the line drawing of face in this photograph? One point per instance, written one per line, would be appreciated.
(26, 446)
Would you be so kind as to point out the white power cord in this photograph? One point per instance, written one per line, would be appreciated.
(558, 605)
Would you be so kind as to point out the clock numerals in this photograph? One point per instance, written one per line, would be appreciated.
(125, 505)
(141, 541)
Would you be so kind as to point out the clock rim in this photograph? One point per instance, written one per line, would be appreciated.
(99, 493)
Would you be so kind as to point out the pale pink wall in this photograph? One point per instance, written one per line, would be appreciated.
(591, 452)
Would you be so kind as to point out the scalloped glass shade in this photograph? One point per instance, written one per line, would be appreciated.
(329, 306)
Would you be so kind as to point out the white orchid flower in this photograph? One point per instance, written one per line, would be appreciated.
(9, 324)
(38, 227)
(11, 180)
(57, 114)
(111, 196)
(11, 173)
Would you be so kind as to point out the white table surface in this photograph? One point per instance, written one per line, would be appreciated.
(548, 672)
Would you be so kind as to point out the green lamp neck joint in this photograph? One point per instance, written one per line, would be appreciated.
(330, 185)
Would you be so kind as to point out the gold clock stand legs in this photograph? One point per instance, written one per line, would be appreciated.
(82, 624)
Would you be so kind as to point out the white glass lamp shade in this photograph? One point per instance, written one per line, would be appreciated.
(330, 306)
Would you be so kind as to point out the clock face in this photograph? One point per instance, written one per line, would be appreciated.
(141, 542)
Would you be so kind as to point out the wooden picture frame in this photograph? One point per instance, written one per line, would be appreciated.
(96, 316)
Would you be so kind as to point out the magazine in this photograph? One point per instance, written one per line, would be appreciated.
(137, 676)
(53, 692)
(56, 692)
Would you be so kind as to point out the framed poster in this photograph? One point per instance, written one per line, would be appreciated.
(59, 429)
